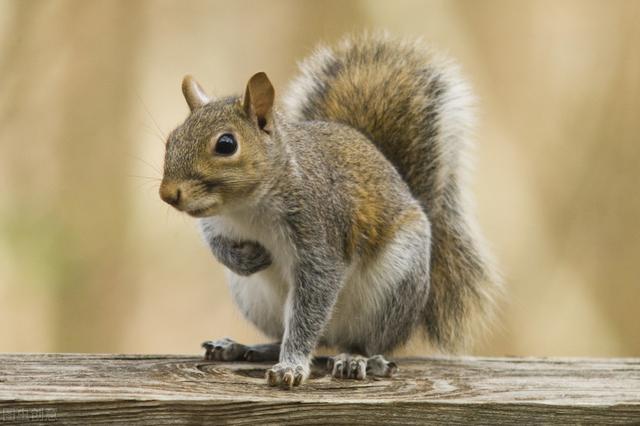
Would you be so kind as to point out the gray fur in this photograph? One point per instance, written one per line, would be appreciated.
(414, 106)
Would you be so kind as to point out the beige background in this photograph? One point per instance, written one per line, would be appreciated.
(92, 260)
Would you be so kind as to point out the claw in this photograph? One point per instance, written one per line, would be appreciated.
(330, 364)
(272, 377)
(353, 369)
(393, 368)
(287, 379)
(337, 369)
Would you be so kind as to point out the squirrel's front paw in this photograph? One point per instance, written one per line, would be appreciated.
(287, 374)
(249, 258)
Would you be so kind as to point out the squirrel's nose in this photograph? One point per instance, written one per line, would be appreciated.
(170, 194)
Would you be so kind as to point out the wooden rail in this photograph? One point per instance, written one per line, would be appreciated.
(133, 389)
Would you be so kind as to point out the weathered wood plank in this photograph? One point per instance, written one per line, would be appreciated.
(133, 389)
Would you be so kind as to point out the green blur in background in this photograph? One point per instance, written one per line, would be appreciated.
(91, 260)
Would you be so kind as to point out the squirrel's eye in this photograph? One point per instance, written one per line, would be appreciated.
(226, 144)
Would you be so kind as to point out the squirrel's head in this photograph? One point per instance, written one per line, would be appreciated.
(219, 156)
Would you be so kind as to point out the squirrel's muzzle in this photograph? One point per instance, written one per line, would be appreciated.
(170, 193)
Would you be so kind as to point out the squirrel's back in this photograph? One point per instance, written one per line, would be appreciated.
(412, 104)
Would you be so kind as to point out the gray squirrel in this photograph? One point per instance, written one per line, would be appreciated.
(341, 213)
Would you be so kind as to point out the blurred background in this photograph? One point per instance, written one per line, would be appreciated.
(91, 260)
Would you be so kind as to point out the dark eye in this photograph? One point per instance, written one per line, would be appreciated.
(226, 144)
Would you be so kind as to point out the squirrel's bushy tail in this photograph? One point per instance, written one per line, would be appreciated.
(416, 109)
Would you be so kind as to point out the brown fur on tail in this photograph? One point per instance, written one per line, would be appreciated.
(414, 107)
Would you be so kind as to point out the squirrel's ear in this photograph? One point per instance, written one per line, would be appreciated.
(193, 93)
(258, 100)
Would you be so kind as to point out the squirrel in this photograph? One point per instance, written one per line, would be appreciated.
(341, 213)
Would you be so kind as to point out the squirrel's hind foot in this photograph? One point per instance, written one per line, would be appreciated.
(229, 350)
(348, 366)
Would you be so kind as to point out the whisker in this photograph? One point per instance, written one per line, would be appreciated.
(147, 186)
(154, 168)
(151, 116)
(153, 178)
(153, 132)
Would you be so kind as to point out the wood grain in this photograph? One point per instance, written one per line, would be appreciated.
(142, 389)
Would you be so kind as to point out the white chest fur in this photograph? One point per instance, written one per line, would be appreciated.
(262, 297)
